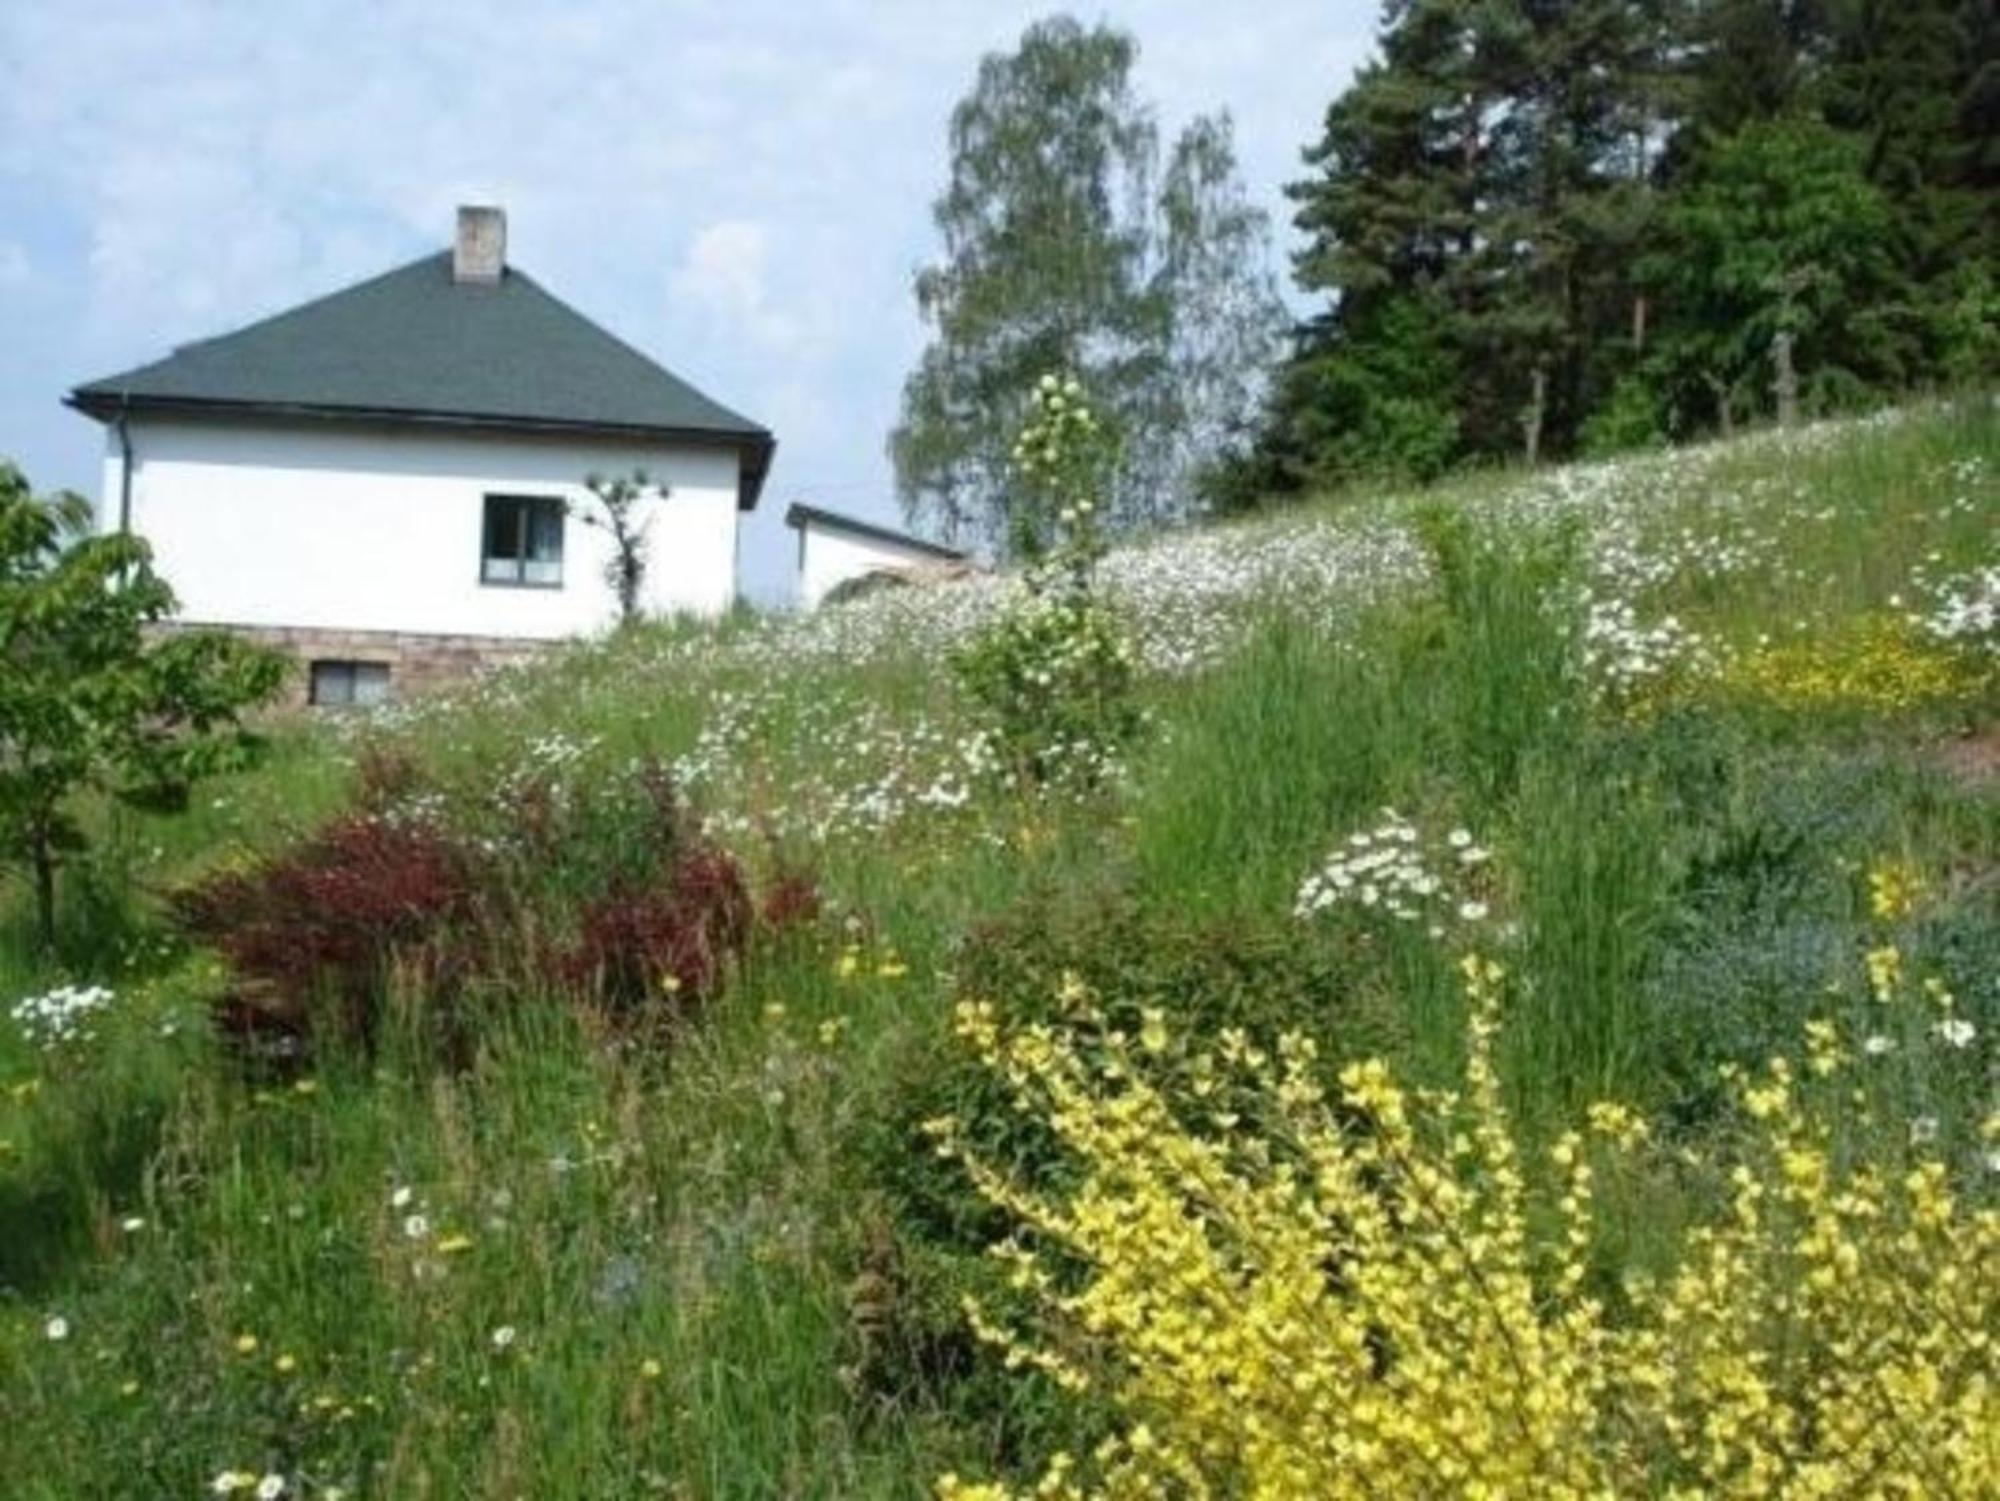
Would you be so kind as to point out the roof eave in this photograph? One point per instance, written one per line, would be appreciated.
(755, 445)
(801, 515)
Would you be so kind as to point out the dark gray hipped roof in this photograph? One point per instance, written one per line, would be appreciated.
(415, 345)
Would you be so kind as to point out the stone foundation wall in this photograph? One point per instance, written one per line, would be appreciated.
(418, 663)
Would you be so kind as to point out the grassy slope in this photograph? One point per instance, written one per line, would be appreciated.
(1687, 883)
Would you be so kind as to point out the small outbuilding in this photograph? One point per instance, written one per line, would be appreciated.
(834, 549)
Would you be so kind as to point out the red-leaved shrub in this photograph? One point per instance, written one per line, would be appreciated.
(611, 894)
(791, 901)
(327, 918)
(668, 945)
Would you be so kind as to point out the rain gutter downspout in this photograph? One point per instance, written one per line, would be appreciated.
(124, 465)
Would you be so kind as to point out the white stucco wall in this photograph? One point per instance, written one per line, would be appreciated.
(830, 556)
(333, 526)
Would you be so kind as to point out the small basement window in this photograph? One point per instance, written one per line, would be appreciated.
(524, 541)
(346, 684)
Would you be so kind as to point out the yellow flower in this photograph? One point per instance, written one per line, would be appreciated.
(1894, 887)
(451, 1245)
(284, 1365)
(1885, 971)
(650, 1369)
(1379, 1306)
(246, 1344)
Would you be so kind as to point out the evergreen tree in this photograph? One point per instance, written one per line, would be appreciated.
(1403, 239)
(1905, 78)
(1545, 224)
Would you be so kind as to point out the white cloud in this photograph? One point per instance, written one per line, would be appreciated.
(724, 272)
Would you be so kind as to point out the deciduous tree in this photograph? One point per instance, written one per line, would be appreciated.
(89, 702)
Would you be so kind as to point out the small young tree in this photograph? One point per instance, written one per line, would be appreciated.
(615, 510)
(87, 703)
(1052, 674)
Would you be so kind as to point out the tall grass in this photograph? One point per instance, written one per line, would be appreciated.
(686, 1238)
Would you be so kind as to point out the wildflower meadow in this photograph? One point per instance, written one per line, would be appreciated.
(1481, 992)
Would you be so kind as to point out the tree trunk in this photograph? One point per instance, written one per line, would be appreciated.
(1725, 414)
(1639, 311)
(1531, 421)
(1785, 380)
(45, 893)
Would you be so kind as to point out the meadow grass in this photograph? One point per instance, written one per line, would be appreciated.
(591, 1263)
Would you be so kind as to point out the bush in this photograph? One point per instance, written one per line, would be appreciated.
(1633, 416)
(1137, 969)
(667, 946)
(1368, 1297)
(326, 921)
(606, 891)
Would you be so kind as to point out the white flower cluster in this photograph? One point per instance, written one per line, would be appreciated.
(63, 1015)
(792, 737)
(1966, 609)
(1621, 655)
(1395, 869)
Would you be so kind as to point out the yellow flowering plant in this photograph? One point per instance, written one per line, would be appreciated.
(1872, 664)
(1365, 1298)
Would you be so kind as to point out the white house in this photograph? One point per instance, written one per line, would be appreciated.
(385, 481)
(835, 548)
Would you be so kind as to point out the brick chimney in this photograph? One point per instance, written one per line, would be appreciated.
(479, 254)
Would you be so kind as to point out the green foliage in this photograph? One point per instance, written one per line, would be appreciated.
(1067, 246)
(88, 702)
(1052, 676)
(1506, 638)
(1609, 213)
(1633, 416)
(1372, 401)
(1781, 233)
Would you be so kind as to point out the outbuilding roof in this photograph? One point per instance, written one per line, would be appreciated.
(801, 515)
(417, 345)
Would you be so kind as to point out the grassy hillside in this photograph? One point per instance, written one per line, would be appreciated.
(1714, 724)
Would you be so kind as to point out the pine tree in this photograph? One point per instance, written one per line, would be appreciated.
(1402, 238)
(1905, 79)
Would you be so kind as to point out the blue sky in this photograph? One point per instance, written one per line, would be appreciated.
(741, 189)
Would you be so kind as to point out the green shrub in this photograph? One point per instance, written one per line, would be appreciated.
(1632, 416)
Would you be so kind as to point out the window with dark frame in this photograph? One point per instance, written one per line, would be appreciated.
(523, 541)
(342, 685)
